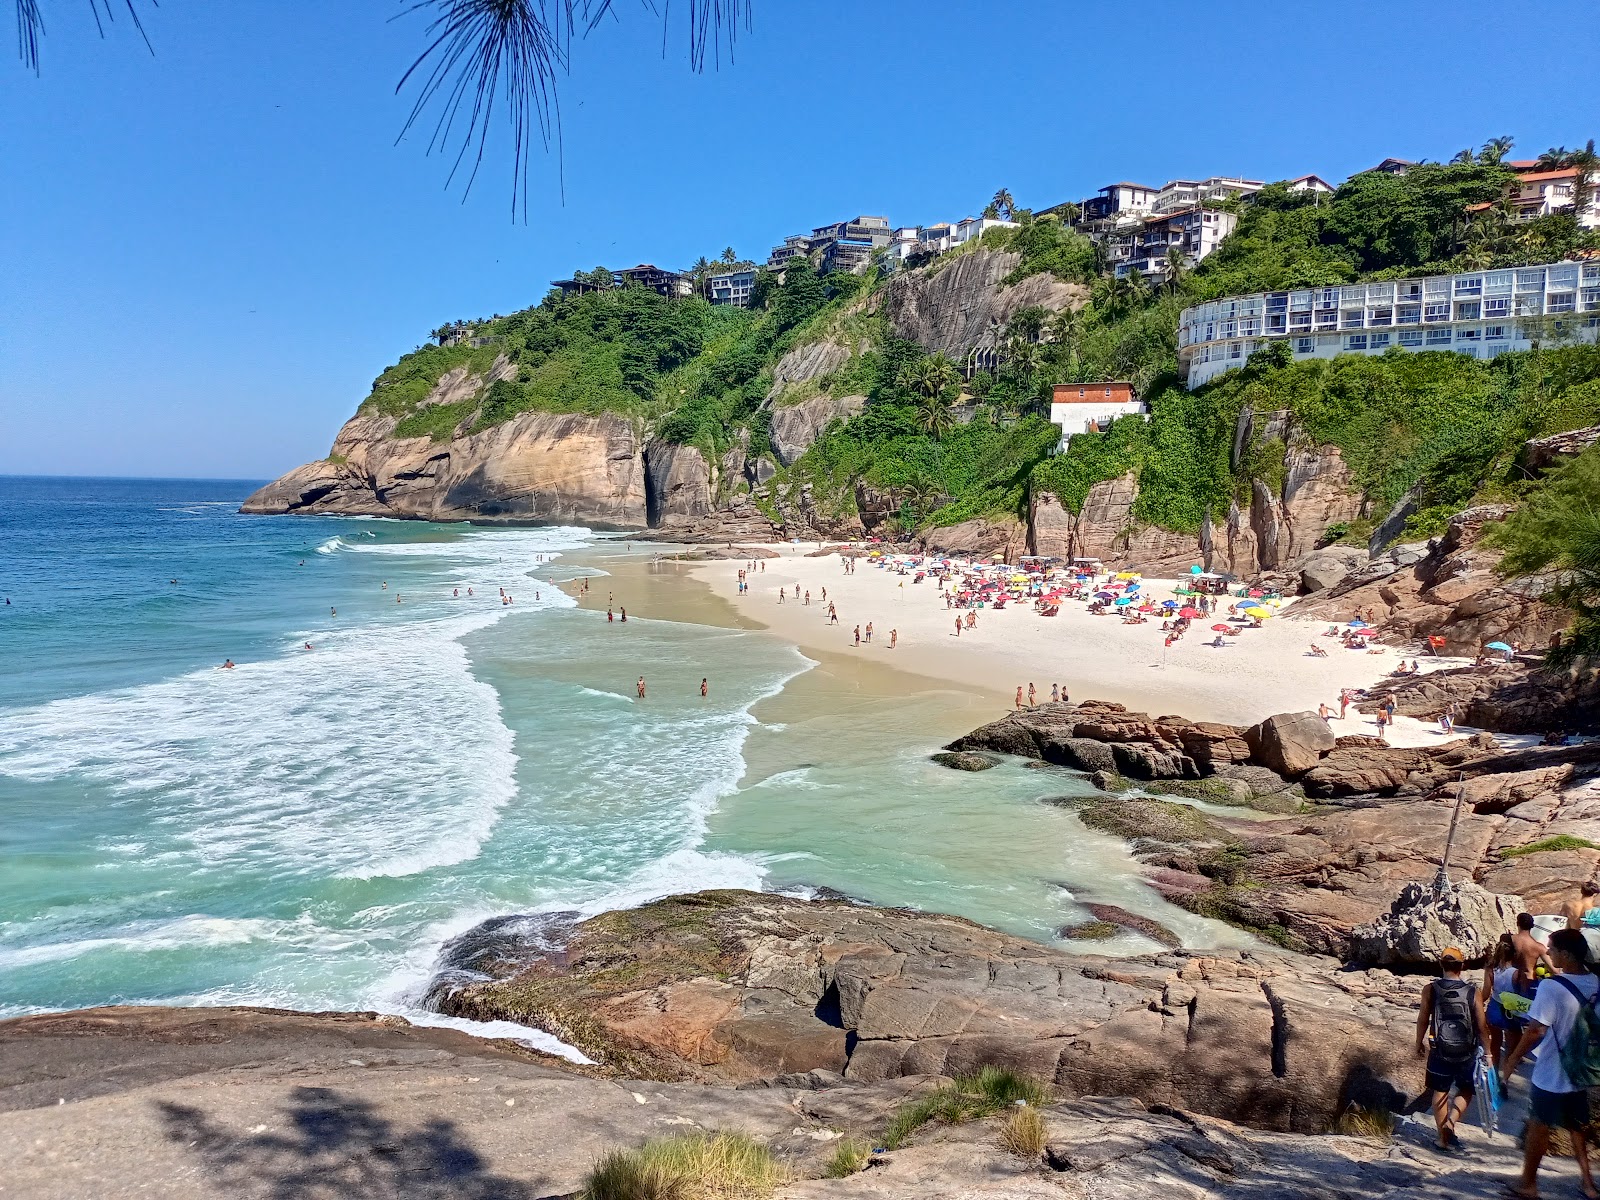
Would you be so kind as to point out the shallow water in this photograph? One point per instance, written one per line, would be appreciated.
(307, 829)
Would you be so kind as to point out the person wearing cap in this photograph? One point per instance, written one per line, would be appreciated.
(1450, 1029)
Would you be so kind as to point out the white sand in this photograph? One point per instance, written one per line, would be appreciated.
(1258, 673)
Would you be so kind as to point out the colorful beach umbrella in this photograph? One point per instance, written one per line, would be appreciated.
(1497, 646)
(1191, 613)
(1358, 624)
(1121, 600)
(1222, 629)
(1257, 611)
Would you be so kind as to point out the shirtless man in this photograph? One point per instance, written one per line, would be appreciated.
(1588, 898)
(1530, 954)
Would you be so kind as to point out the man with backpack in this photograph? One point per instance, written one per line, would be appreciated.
(1567, 1007)
(1452, 1020)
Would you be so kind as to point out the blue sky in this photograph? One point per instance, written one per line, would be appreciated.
(207, 255)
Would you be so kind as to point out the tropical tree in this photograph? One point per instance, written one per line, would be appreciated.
(1556, 533)
(935, 416)
(1004, 202)
(1495, 150)
(1176, 268)
(1464, 158)
(1552, 159)
(700, 276)
(991, 212)
(728, 256)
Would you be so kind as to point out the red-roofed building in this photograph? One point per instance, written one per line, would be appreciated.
(1540, 193)
(1091, 407)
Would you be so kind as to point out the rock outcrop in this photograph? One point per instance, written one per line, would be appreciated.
(1427, 919)
(257, 1104)
(738, 986)
(1451, 588)
(795, 426)
(963, 304)
(1502, 697)
(541, 467)
(980, 537)
(1530, 824)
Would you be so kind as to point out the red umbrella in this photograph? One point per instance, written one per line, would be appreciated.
(1222, 628)
(1147, 608)
(1189, 612)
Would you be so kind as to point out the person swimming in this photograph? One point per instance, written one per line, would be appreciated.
(227, 665)
(308, 645)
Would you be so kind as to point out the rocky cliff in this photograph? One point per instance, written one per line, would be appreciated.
(965, 304)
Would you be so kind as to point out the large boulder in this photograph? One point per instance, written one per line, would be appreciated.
(1328, 567)
(1426, 919)
(1290, 743)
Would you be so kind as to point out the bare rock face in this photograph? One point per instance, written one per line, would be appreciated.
(980, 536)
(1050, 525)
(1541, 454)
(1105, 528)
(1514, 697)
(737, 986)
(536, 467)
(805, 363)
(960, 305)
(1290, 743)
(1424, 921)
(795, 426)
(677, 481)
(1451, 588)
(1330, 566)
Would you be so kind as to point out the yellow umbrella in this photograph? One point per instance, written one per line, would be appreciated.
(1257, 611)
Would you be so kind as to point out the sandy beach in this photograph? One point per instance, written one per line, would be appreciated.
(1258, 673)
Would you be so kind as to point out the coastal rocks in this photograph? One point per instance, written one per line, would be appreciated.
(542, 467)
(795, 426)
(1290, 743)
(1121, 918)
(1540, 454)
(958, 761)
(803, 364)
(980, 536)
(1330, 566)
(677, 482)
(1514, 697)
(738, 986)
(1425, 919)
(962, 304)
(1050, 525)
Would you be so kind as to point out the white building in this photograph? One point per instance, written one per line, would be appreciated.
(1481, 313)
(1195, 232)
(971, 228)
(1091, 407)
(732, 287)
(1312, 183)
(1540, 193)
(1187, 193)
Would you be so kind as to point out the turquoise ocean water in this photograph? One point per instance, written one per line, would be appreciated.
(306, 829)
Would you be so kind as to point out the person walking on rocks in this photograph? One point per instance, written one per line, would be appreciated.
(1450, 1021)
(1530, 955)
(1564, 1007)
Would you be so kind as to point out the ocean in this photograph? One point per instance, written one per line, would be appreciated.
(306, 829)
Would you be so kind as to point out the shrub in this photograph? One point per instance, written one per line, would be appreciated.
(964, 1099)
(849, 1157)
(698, 1166)
(1564, 841)
(1022, 1132)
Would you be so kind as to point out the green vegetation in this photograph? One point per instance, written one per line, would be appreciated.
(1558, 530)
(696, 1166)
(1564, 841)
(966, 1098)
(1443, 428)
(849, 1157)
(1365, 1122)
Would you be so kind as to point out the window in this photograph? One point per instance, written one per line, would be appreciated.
(1235, 350)
(1497, 308)
(1469, 285)
(1229, 328)
(1408, 314)
(1591, 298)
(1436, 312)
(1351, 319)
(1356, 341)
(1494, 333)
(1438, 337)
(1562, 302)
(1469, 335)
(1302, 345)
(1302, 320)
(1468, 310)
(1276, 322)
(1410, 337)
(1327, 320)
(1382, 316)
(1379, 341)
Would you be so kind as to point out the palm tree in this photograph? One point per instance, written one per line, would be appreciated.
(1024, 358)
(700, 275)
(942, 374)
(1464, 158)
(1177, 267)
(991, 212)
(1552, 159)
(1004, 202)
(1495, 150)
(728, 256)
(934, 416)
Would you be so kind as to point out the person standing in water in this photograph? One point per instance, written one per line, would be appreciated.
(641, 687)
(624, 615)
(705, 689)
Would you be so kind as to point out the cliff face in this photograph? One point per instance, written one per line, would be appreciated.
(536, 467)
(963, 305)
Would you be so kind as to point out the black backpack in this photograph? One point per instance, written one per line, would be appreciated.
(1455, 1033)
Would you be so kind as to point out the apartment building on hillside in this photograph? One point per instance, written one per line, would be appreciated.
(732, 287)
(1194, 232)
(1541, 193)
(1188, 193)
(1481, 313)
(841, 246)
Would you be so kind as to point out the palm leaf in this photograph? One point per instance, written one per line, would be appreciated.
(30, 26)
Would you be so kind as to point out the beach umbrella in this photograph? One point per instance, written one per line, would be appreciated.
(1189, 612)
(1257, 611)
(1222, 629)
(1120, 601)
(1146, 608)
(1497, 646)
(1358, 624)
(1255, 591)
(1195, 570)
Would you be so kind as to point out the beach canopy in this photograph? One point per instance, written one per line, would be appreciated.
(1195, 570)
(1498, 646)
(1222, 629)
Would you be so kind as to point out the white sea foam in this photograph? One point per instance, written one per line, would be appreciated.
(332, 546)
(188, 932)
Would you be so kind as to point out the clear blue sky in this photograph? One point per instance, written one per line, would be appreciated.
(206, 255)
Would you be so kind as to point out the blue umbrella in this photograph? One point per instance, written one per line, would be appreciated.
(1498, 646)
(1124, 600)
(1358, 624)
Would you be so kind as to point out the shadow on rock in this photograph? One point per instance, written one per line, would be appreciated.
(339, 1146)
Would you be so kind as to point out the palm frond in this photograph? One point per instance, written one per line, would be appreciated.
(511, 53)
(30, 26)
